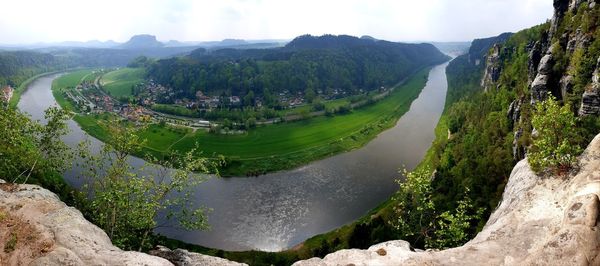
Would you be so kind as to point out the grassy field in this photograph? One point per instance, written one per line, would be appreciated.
(273, 147)
(118, 83)
(66, 82)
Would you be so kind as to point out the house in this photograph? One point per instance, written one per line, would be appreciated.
(6, 93)
(235, 100)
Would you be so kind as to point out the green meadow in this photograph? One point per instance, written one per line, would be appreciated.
(271, 147)
(118, 83)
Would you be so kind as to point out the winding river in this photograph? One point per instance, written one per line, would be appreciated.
(279, 210)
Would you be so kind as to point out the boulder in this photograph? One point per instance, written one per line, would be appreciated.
(182, 257)
(539, 88)
(545, 65)
(36, 228)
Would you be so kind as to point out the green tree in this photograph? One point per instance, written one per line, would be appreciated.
(309, 94)
(250, 123)
(554, 145)
(415, 210)
(452, 228)
(419, 220)
(29, 148)
(249, 99)
(127, 202)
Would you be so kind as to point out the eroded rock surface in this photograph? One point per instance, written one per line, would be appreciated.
(36, 228)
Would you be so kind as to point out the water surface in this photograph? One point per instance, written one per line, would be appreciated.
(279, 210)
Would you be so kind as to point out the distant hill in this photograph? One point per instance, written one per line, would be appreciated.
(317, 63)
(143, 41)
(453, 48)
(480, 47)
(367, 37)
(326, 42)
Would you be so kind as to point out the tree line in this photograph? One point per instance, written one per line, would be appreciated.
(306, 65)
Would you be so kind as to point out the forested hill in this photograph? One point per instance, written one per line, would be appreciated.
(465, 71)
(307, 63)
(16, 67)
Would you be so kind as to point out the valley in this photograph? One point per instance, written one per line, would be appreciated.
(303, 137)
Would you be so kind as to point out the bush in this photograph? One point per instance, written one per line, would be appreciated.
(554, 145)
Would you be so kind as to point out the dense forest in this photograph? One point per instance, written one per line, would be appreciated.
(307, 65)
(16, 67)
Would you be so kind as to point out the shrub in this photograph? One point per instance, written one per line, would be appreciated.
(554, 145)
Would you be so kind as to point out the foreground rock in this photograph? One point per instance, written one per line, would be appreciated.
(36, 228)
(549, 220)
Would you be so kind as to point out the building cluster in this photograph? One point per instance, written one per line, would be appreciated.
(6, 94)
(149, 93)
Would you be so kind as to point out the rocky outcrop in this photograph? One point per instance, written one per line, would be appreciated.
(534, 57)
(182, 257)
(36, 228)
(590, 101)
(492, 68)
(578, 40)
(541, 84)
(542, 220)
(560, 7)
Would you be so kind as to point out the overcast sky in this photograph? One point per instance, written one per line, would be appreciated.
(28, 21)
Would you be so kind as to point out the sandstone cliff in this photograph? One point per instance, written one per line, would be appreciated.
(542, 220)
(36, 228)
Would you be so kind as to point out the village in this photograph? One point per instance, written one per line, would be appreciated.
(89, 98)
(147, 97)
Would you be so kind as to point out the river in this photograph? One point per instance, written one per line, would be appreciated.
(279, 210)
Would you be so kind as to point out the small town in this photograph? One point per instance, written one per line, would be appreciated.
(89, 98)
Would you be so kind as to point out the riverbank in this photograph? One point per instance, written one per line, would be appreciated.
(19, 90)
(268, 148)
(280, 210)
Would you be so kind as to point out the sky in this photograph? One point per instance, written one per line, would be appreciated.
(31, 21)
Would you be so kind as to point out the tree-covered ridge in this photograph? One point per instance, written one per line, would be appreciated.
(490, 130)
(16, 67)
(307, 64)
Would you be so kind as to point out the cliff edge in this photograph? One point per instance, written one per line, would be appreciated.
(542, 220)
(36, 228)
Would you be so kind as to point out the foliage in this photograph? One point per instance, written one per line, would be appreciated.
(127, 204)
(305, 65)
(415, 208)
(418, 220)
(29, 148)
(453, 227)
(555, 144)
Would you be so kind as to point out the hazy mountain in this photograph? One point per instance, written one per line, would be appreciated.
(142, 41)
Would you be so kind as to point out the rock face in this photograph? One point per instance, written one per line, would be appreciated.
(36, 228)
(540, 85)
(549, 220)
(590, 102)
(492, 68)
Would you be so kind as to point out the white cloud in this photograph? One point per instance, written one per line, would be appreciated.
(27, 21)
